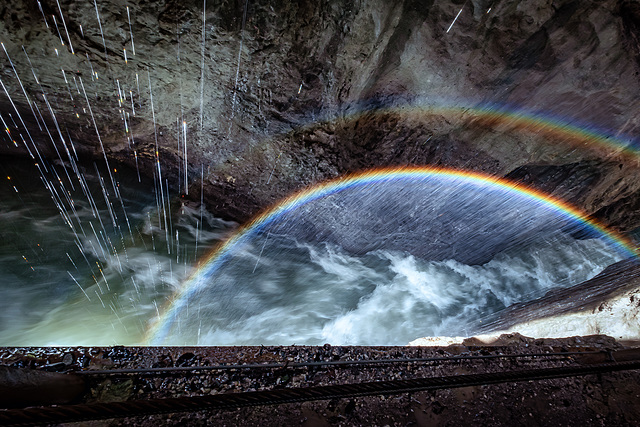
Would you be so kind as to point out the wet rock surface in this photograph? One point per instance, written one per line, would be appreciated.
(271, 98)
(591, 296)
(607, 399)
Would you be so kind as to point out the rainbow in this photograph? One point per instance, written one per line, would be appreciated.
(210, 263)
(566, 132)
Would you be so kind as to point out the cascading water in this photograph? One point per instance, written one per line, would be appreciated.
(312, 294)
(93, 282)
(380, 259)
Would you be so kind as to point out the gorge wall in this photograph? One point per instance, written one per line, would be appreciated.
(262, 98)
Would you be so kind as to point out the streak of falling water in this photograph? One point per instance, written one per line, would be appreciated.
(170, 229)
(235, 84)
(55, 22)
(186, 163)
(199, 223)
(65, 27)
(179, 150)
(106, 55)
(157, 157)
(43, 16)
(133, 47)
(180, 129)
(204, 39)
(94, 75)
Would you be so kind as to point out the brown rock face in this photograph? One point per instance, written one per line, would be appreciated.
(264, 98)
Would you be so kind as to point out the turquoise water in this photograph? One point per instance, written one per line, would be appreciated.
(90, 265)
(100, 280)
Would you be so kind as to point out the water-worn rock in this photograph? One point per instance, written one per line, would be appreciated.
(606, 304)
(274, 96)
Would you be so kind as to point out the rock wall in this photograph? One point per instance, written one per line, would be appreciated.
(606, 304)
(268, 97)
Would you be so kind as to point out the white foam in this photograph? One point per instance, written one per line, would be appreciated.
(443, 298)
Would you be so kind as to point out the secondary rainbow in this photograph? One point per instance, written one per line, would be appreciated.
(563, 131)
(210, 263)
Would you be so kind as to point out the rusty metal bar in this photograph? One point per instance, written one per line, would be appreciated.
(70, 413)
(179, 369)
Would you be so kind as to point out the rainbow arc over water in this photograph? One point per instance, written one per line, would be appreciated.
(209, 264)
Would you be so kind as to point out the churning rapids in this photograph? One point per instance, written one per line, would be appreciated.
(377, 263)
